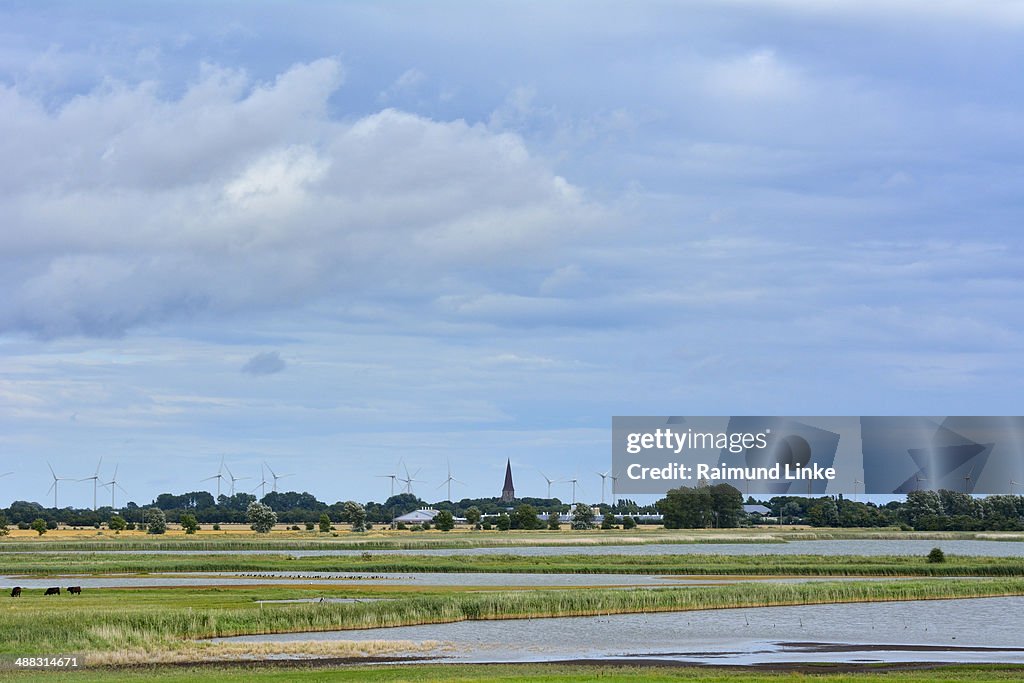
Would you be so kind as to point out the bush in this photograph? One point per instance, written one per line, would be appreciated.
(310, 526)
(216, 527)
(188, 523)
(260, 517)
(325, 523)
(132, 526)
(486, 526)
(628, 522)
(444, 521)
(295, 527)
(554, 521)
(117, 523)
(39, 525)
(24, 526)
(936, 555)
(401, 526)
(608, 522)
(504, 522)
(156, 521)
(3, 525)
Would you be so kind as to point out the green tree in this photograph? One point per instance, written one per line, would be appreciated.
(356, 515)
(582, 517)
(504, 522)
(525, 517)
(726, 505)
(686, 508)
(156, 521)
(260, 517)
(444, 521)
(39, 525)
(3, 525)
(117, 523)
(554, 521)
(823, 513)
(188, 523)
(628, 522)
(609, 521)
(936, 555)
(473, 516)
(325, 523)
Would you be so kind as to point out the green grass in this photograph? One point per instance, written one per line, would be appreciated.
(106, 623)
(537, 673)
(702, 564)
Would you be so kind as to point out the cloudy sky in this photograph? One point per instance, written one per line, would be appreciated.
(333, 235)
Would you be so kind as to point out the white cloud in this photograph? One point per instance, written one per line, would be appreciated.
(241, 195)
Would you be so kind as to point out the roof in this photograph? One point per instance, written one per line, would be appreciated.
(418, 516)
(756, 510)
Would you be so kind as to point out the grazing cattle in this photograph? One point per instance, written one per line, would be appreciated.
(16, 592)
(74, 590)
(52, 591)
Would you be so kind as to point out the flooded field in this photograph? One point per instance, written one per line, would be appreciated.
(974, 630)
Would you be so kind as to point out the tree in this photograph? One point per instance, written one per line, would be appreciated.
(156, 521)
(3, 525)
(554, 521)
(936, 555)
(444, 521)
(609, 521)
(117, 523)
(726, 505)
(325, 523)
(188, 523)
(260, 517)
(823, 513)
(686, 508)
(356, 515)
(39, 525)
(628, 522)
(473, 516)
(582, 517)
(504, 522)
(525, 517)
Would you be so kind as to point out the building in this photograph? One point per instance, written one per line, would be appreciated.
(508, 491)
(417, 517)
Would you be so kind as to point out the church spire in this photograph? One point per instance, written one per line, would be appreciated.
(508, 491)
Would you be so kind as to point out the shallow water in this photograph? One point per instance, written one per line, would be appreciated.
(974, 630)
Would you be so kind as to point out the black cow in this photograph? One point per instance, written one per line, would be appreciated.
(16, 592)
(52, 591)
(74, 590)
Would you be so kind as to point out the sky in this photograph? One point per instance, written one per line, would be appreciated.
(348, 238)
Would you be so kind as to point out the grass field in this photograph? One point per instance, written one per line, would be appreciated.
(702, 564)
(239, 537)
(539, 673)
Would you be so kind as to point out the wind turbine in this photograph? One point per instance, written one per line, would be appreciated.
(549, 481)
(392, 477)
(410, 479)
(53, 486)
(95, 478)
(233, 479)
(218, 476)
(573, 481)
(275, 476)
(918, 478)
(112, 484)
(604, 477)
(262, 484)
(6, 474)
(449, 481)
(855, 482)
(968, 478)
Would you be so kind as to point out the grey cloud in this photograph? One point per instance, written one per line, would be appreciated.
(266, 363)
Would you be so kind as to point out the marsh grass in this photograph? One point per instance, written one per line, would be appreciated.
(150, 630)
(698, 564)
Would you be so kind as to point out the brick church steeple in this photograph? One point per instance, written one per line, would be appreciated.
(508, 491)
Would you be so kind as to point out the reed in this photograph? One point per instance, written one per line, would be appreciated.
(154, 629)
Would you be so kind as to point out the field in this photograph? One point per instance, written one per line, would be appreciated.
(126, 632)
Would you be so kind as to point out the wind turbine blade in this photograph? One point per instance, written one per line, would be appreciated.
(120, 487)
(51, 487)
(51, 469)
(98, 465)
(216, 476)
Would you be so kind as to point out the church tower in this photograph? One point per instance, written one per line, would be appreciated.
(508, 491)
